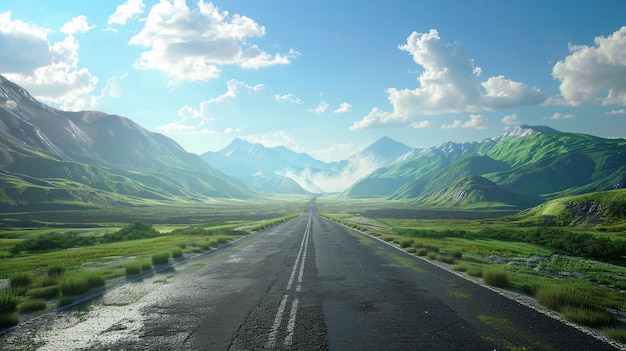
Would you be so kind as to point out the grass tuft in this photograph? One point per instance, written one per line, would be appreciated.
(177, 253)
(460, 267)
(132, 267)
(591, 317)
(80, 283)
(21, 280)
(160, 258)
(65, 301)
(33, 305)
(146, 265)
(421, 252)
(404, 243)
(46, 292)
(496, 277)
(616, 334)
(444, 258)
(475, 272)
(8, 320)
(8, 301)
(55, 270)
(555, 297)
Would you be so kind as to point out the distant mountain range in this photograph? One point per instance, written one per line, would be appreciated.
(54, 158)
(521, 168)
(280, 170)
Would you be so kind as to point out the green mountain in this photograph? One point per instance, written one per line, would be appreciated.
(55, 158)
(527, 165)
(476, 192)
(606, 208)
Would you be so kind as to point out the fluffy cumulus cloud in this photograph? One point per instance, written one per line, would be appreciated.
(192, 43)
(511, 120)
(477, 122)
(343, 108)
(594, 74)
(559, 115)
(449, 83)
(47, 70)
(126, 11)
(321, 107)
(78, 24)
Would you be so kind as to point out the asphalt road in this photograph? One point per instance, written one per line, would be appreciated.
(308, 284)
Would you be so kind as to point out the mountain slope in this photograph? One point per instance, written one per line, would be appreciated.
(109, 157)
(599, 208)
(476, 192)
(536, 162)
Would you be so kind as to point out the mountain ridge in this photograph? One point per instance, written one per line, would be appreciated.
(91, 156)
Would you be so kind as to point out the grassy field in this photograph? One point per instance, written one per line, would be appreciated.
(556, 266)
(95, 246)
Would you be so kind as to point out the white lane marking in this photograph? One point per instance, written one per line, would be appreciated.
(303, 247)
(277, 320)
(292, 323)
(294, 305)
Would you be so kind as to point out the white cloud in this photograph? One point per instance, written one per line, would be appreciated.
(49, 71)
(321, 107)
(290, 98)
(510, 120)
(343, 108)
(78, 24)
(617, 112)
(277, 138)
(421, 124)
(192, 44)
(126, 11)
(559, 115)
(594, 74)
(450, 83)
(378, 118)
(477, 122)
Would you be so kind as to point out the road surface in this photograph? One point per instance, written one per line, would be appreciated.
(307, 284)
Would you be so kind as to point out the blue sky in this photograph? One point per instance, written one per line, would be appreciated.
(327, 77)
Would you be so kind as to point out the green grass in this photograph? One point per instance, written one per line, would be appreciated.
(177, 253)
(8, 301)
(496, 277)
(8, 320)
(79, 283)
(591, 317)
(56, 270)
(146, 265)
(460, 267)
(65, 301)
(557, 296)
(616, 334)
(160, 258)
(21, 280)
(132, 267)
(46, 292)
(33, 305)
